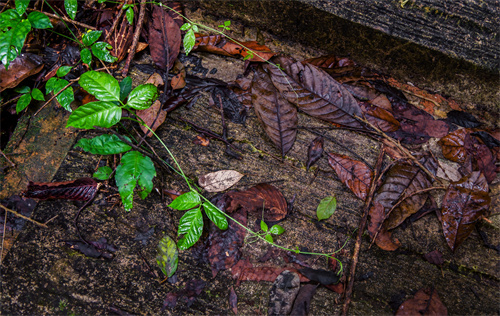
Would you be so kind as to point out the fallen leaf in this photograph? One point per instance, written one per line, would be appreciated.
(164, 38)
(201, 140)
(121, 39)
(380, 117)
(220, 180)
(353, 173)
(303, 300)
(82, 189)
(434, 257)
(485, 162)
(231, 105)
(457, 145)
(219, 44)
(321, 276)
(463, 119)
(376, 220)
(425, 302)
(283, 292)
(233, 300)
(22, 67)
(315, 151)
(153, 116)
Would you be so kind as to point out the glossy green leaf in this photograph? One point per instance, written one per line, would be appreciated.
(90, 37)
(37, 94)
(21, 6)
(99, 113)
(107, 144)
(125, 88)
(101, 85)
(23, 89)
(103, 173)
(263, 226)
(167, 256)
(51, 83)
(71, 6)
(39, 20)
(191, 224)
(12, 41)
(134, 169)
(101, 51)
(130, 15)
(215, 215)
(277, 230)
(23, 102)
(142, 96)
(189, 40)
(269, 238)
(86, 56)
(186, 26)
(326, 207)
(66, 97)
(63, 71)
(186, 201)
(9, 18)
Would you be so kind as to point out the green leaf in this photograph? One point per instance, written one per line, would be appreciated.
(277, 230)
(21, 6)
(63, 71)
(134, 169)
(125, 88)
(168, 256)
(103, 173)
(248, 56)
(90, 37)
(101, 51)
(101, 85)
(37, 94)
(12, 41)
(186, 26)
(66, 97)
(263, 226)
(51, 83)
(326, 207)
(71, 6)
(9, 18)
(86, 56)
(227, 23)
(107, 144)
(100, 113)
(39, 20)
(195, 28)
(130, 15)
(215, 215)
(269, 238)
(189, 40)
(23, 89)
(186, 201)
(23, 102)
(142, 96)
(191, 224)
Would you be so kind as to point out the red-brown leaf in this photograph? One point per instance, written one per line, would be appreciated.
(425, 302)
(330, 61)
(153, 116)
(122, 37)
(380, 117)
(383, 239)
(354, 174)
(233, 300)
(464, 203)
(434, 257)
(315, 151)
(485, 162)
(218, 44)
(22, 67)
(164, 38)
(82, 189)
(457, 145)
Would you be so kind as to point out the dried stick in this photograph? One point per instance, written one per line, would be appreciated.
(7, 158)
(3, 237)
(135, 41)
(23, 217)
(115, 24)
(65, 19)
(362, 225)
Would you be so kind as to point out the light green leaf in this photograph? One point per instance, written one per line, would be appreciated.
(125, 88)
(12, 41)
(326, 207)
(191, 224)
(9, 18)
(66, 97)
(103, 173)
(263, 226)
(189, 40)
(215, 215)
(130, 15)
(186, 26)
(101, 51)
(269, 238)
(21, 6)
(37, 94)
(86, 56)
(142, 96)
(101, 85)
(107, 144)
(51, 83)
(100, 113)
(186, 201)
(168, 256)
(71, 6)
(90, 37)
(23, 102)
(277, 230)
(63, 71)
(39, 20)
(23, 89)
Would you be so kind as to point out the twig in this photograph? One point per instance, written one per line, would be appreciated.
(3, 237)
(7, 158)
(115, 24)
(56, 94)
(362, 225)
(65, 19)
(136, 38)
(23, 217)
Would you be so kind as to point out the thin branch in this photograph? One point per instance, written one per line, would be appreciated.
(135, 41)
(55, 95)
(7, 158)
(115, 24)
(3, 237)
(23, 217)
(65, 19)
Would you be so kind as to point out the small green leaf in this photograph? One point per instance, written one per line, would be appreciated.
(168, 256)
(51, 83)
(103, 173)
(23, 89)
(21, 6)
(191, 224)
(86, 56)
(186, 26)
(215, 215)
(101, 85)
(269, 238)
(39, 20)
(101, 51)
(125, 88)
(23, 102)
(66, 97)
(326, 207)
(71, 6)
(263, 226)
(107, 144)
(186, 201)
(142, 96)
(101, 1)
(248, 56)
(90, 37)
(189, 40)
(277, 230)
(130, 15)
(63, 71)
(227, 23)
(195, 27)
(100, 113)
(37, 94)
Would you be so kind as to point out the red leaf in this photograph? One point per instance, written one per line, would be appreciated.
(354, 174)
(22, 67)
(153, 116)
(218, 44)
(330, 61)
(485, 162)
(383, 239)
(380, 117)
(434, 257)
(457, 145)
(425, 302)
(464, 203)
(164, 38)
(315, 151)
(81, 190)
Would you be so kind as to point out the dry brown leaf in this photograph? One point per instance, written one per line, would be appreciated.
(220, 180)
(153, 114)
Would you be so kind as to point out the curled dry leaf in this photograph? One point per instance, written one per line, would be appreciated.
(356, 175)
(81, 190)
(219, 44)
(315, 151)
(425, 302)
(153, 116)
(220, 180)
(464, 203)
(457, 145)
(22, 67)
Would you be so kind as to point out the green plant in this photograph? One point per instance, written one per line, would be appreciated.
(225, 26)
(101, 50)
(26, 97)
(326, 207)
(56, 84)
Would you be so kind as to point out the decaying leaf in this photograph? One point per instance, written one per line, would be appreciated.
(167, 256)
(457, 145)
(380, 117)
(485, 162)
(425, 302)
(220, 180)
(315, 151)
(231, 105)
(383, 238)
(463, 119)
(153, 116)
(94, 249)
(22, 67)
(434, 257)
(81, 189)
(303, 300)
(321, 276)
(283, 292)
(464, 203)
(164, 38)
(201, 140)
(233, 300)
(354, 174)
